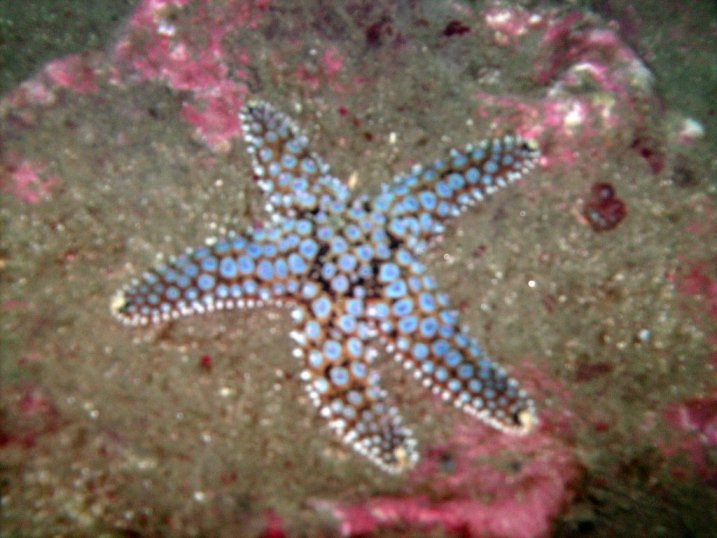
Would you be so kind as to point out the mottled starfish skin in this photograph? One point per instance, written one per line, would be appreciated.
(348, 268)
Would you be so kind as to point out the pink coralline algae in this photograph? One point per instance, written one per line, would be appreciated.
(695, 421)
(76, 73)
(35, 414)
(698, 282)
(597, 89)
(489, 485)
(698, 415)
(478, 484)
(325, 73)
(509, 23)
(192, 57)
(27, 181)
(604, 210)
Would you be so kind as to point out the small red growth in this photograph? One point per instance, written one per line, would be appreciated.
(601, 426)
(31, 413)
(379, 30)
(588, 372)
(649, 149)
(549, 303)
(455, 28)
(698, 282)
(206, 362)
(274, 527)
(70, 255)
(604, 211)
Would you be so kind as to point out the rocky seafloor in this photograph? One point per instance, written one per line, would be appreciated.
(593, 280)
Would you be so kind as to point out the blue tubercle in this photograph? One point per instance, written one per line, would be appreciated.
(349, 269)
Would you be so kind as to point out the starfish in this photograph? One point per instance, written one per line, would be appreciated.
(348, 267)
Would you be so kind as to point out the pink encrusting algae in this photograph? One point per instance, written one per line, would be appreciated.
(192, 58)
(694, 423)
(488, 486)
(74, 72)
(596, 87)
(481, 484)
(77, 73)
(27, 181)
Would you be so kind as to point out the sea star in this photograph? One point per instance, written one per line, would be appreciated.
(348, 268)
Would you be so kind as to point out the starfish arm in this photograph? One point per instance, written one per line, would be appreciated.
(238, 271)
(418, 327)
(418, 203)
(293, 178)
(341, 383)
